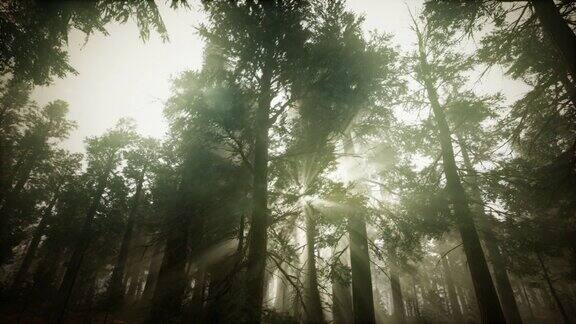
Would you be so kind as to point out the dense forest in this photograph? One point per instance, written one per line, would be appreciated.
(312, 172)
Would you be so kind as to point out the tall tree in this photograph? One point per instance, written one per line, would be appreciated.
(139, 161)
(259, 42)
(430, 76)
(42, 128)
(104, 154)
(62, 169)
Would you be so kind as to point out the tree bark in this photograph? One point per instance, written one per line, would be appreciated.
(33, 246)
(341, 302)
(280, 299)
(256, 262)
(488, 303)
(527, 299)
(117, 284)
(503, 286)
(153, 270)
(415, 302)
(314, 312)
(558, 31)
(362, 296)
(398, 312)
(452, 295)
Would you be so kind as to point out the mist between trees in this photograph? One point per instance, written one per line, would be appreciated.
(312, 172)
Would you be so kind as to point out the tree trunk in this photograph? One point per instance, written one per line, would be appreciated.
(488, 303)
(33, 246)
(280, 299)
(463, 301)
(452, 295)
(135, 287)
(80, 248)
(314, 312)
(153, 270)
(362, 298)
(398, 312)
(341, 302)
(558, 31)
(503, 286)
(198, 295)
(527, 299)
(117, 284)
(256, 262)
(171, 282)
(415, 302)
(553, 291)
(362, 295)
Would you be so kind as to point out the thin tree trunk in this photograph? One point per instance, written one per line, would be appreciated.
(503, 286)
(452, 296)
(398, 312)
(198, 292)
(297, 304)
(463, 301)
(281, 290)
(341, 302)
(558, 31)
(527, 299)
(78, 254)
(314, 312)
(256, 262)
(415, 300)
(117, 284)
(488, 303)
(553, 291)
(34, 243)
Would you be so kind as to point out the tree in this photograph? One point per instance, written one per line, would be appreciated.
(466, 114)
(63, 168)
(140, 160)
(430, 76)
(261, 42)
(200, 187)
(40, 128)
(104, 155)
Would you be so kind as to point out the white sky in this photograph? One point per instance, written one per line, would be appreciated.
(121, 76)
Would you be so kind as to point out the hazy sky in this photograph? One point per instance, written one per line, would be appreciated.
(122, 76)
